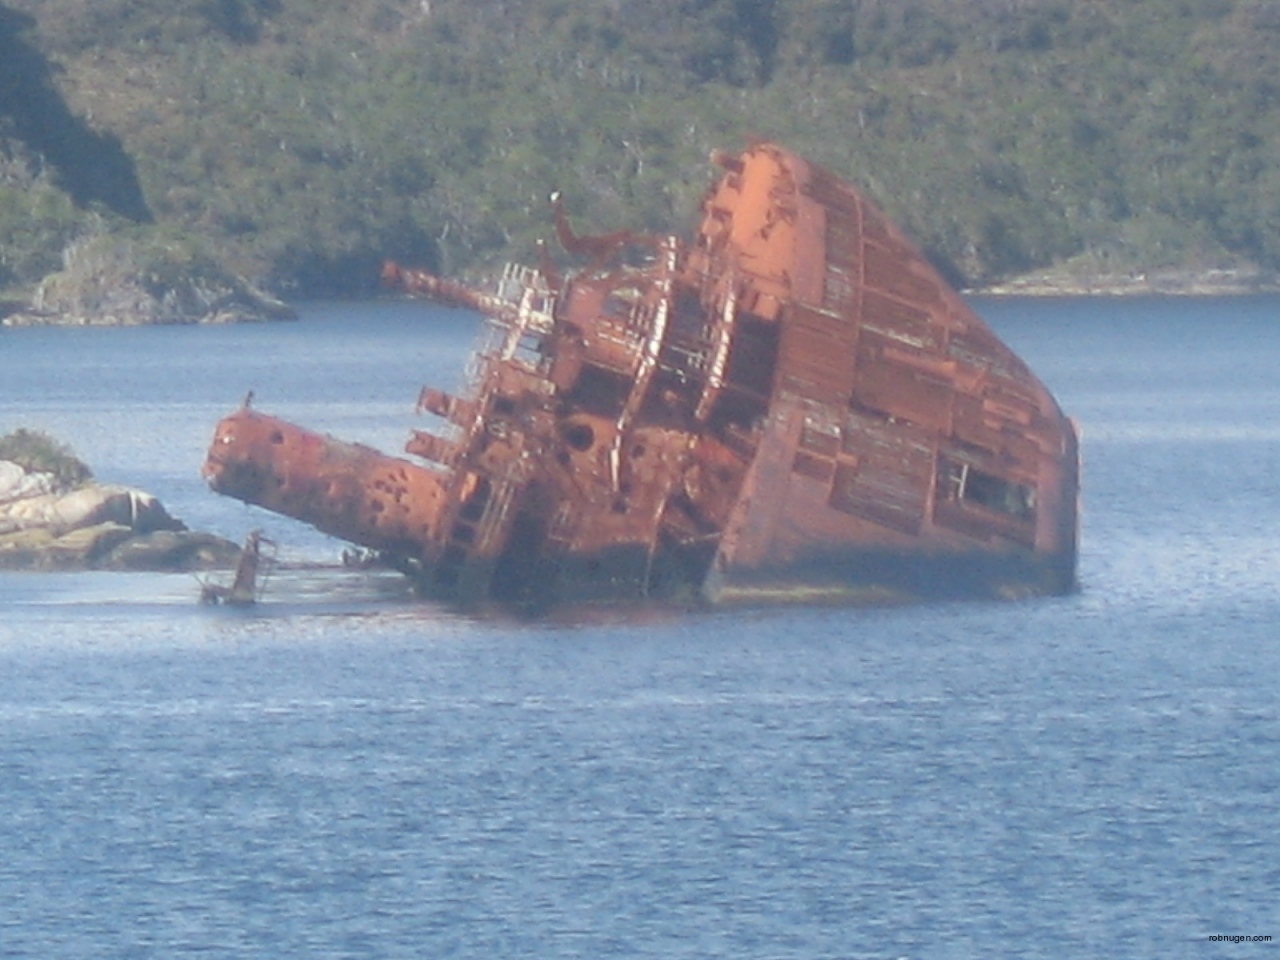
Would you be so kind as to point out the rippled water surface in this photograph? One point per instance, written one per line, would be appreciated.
(345, 772)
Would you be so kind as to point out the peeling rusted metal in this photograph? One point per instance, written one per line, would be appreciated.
(792, 406)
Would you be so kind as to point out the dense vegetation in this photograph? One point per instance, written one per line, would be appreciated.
(301, 141)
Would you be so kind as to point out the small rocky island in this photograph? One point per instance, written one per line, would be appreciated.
(115, 281)
(55, 516)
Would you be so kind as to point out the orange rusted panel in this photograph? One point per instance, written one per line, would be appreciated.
(346, 490)
(792, 406)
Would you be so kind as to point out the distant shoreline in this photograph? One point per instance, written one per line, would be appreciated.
(1157, 283)
(1049, 283)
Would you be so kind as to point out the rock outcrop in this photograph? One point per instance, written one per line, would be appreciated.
(96, 527)
(107, 281)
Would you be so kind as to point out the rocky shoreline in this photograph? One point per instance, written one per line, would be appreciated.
(112, 282)
(135, 300)
(48, 522)
(1226, 282)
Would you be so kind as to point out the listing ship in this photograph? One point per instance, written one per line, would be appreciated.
(793, 406)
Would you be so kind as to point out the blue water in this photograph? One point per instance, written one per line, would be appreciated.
(345, 772)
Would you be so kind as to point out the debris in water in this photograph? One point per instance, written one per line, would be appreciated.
(245, 588)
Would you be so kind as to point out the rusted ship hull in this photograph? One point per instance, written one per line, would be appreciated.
(793, 406)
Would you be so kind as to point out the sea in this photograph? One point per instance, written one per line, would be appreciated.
(346, 771)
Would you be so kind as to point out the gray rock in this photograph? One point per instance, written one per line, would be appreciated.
(17, 484)
(82, 547)
(99, 526)
(24, 549)
(139, 511)
(173, 550)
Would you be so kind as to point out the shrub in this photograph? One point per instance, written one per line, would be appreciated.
(37, 452)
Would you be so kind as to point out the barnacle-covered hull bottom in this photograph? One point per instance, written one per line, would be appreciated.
(793, 406)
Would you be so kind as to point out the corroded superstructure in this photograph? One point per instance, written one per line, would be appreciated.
(792, 406)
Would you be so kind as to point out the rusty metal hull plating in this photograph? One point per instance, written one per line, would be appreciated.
(793, 406)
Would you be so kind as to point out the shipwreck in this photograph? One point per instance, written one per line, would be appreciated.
(793, 405)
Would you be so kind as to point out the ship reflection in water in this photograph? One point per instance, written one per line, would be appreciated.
(793, 407)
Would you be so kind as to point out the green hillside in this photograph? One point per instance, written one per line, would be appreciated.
(302, 141)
